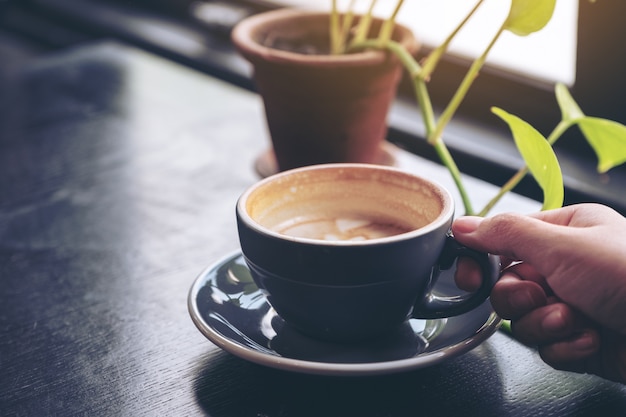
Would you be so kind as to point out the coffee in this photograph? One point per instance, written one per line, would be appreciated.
(348, 227)
(345, 205)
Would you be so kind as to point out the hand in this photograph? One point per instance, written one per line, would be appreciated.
(564, 285)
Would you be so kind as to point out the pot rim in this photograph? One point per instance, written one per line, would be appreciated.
(244, 33)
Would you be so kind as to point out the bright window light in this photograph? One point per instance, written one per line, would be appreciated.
(549, 55)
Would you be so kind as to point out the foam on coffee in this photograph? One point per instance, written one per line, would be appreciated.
(343, 227)
(345, 205)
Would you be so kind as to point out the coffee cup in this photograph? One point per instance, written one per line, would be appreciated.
(347, 252)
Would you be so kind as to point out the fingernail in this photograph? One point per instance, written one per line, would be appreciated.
(553, 322)
(467, 224)
(521, 300)
(584, 342)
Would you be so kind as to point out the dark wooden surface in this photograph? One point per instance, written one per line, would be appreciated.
(119, 173)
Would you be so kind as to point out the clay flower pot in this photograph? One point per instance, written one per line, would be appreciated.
(320, 108)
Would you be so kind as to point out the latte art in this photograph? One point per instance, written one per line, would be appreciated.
(342, 228)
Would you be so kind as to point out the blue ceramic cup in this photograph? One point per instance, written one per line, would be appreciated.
(347, 252)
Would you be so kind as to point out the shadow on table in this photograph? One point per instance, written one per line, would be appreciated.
(229, 386)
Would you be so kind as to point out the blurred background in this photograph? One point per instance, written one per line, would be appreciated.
(582, 47)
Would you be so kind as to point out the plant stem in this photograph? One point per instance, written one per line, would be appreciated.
(387, 29)
(435, 136)
(448, 161)
(435, 56)
(335, 30)
(464, 87)
(425, 105)
(510, 184)
(346, 26)
(428, 115)
(521, 173)
(414, 70)
(397, 49)
(364, 24)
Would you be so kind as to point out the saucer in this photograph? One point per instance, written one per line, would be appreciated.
(229, 309)
(265, 163)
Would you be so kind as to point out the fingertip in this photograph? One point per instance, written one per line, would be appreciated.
(466, 224)
(586, 342)
(467, 275)
(566, 354)
(554, 322)
(512, 297)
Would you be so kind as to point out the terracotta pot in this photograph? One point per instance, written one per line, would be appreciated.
(320, 108)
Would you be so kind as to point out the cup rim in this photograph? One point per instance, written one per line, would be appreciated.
(446, 214)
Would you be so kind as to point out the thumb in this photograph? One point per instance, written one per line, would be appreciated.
(512, 235)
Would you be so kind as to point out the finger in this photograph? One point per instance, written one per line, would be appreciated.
(512, 235)
(579, 215)
(512, 297)
(570, 354)
(549, 324)
(468, 276)
(562, 217)
(527, 272)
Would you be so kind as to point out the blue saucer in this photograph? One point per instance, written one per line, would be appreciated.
(229, 309)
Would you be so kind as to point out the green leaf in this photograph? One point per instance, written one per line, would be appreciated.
(569, 108)
(540, 158)
(608, 140)
(606, 137)
(529, 16)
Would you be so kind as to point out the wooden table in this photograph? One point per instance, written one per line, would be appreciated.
(119, 173)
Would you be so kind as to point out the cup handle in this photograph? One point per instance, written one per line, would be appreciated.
(434, 306)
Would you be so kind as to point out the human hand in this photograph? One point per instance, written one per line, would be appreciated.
(564, 285)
